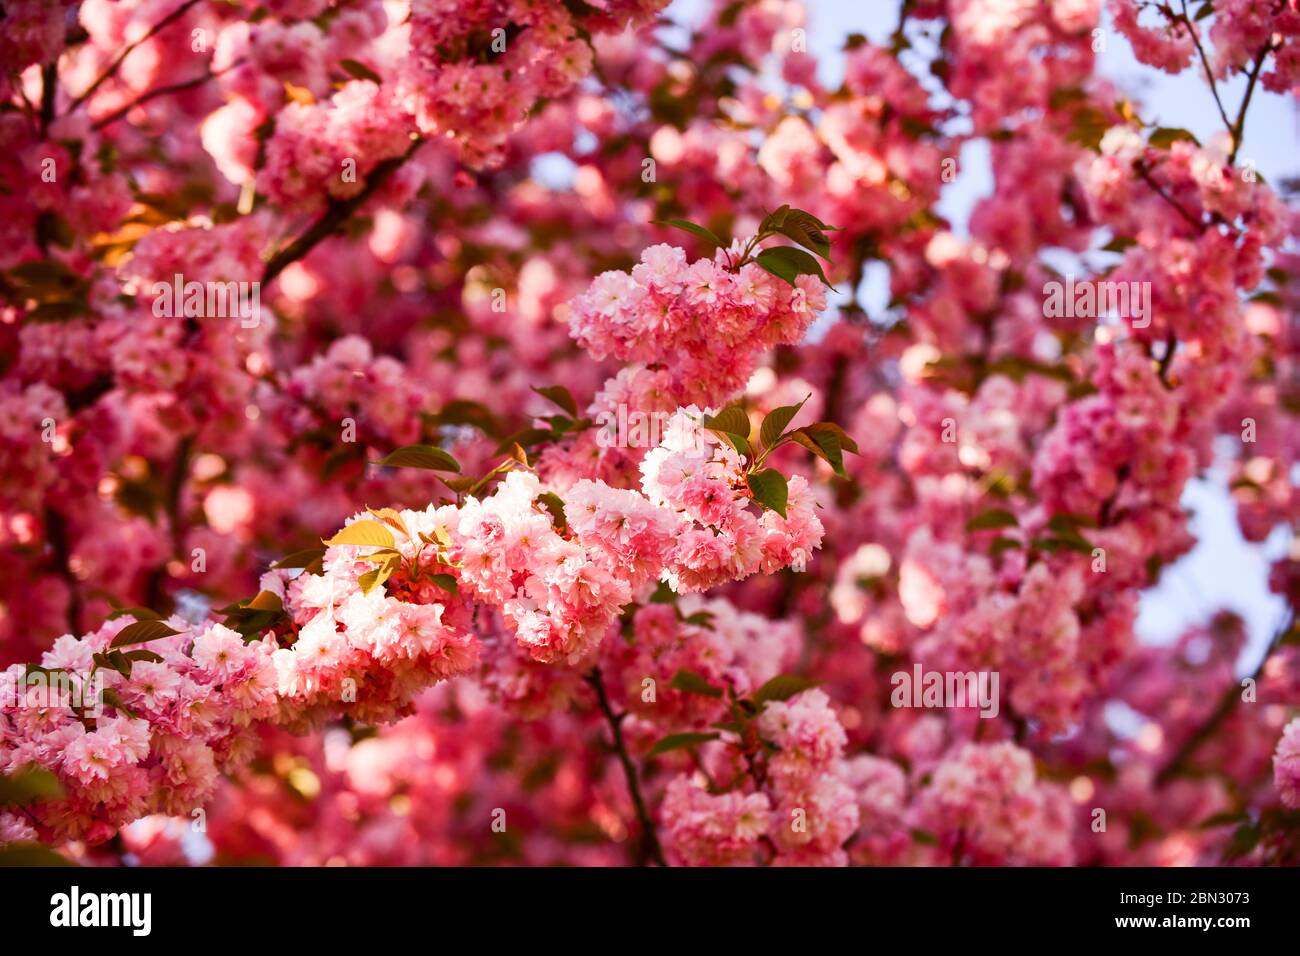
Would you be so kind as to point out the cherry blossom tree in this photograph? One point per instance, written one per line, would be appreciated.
(456, 432)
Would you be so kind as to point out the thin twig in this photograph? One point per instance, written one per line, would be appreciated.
(56, 532)
(112, 68)
(649, 839)
(49, 88)
(336, 213)
(1238, 129)
(1145, 172)
(156, 583)
(1205, 63)
(145, 97)
(1227, 703)
(1171, 346)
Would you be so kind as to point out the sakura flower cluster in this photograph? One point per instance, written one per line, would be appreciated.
(481, 66)
(707, 320)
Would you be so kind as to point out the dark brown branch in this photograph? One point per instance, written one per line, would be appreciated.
(1171, 346)
(111, 70)
(335, 215)
(49, 89)
(56, 532)
(650, 848)
(1205, 64)
(145, 97)
(1238, 129)
(156, 584)
(1182, 757)
(1145, 172)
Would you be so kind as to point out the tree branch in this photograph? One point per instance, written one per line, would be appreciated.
(1178, 763)
(1145, 172)
(49, 88)
(145, 97)
(1238, 129)
(336, 213)
(56, 532)
(1205, 64)
(112, 68)
(650, 848)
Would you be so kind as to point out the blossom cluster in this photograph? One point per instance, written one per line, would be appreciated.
(425, 189)
(481, 66)
(802, 809)
(353, 640)
(711, 319)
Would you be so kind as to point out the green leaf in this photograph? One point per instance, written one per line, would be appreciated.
(141, 655)
(993, 518)
(360, 71)
(114, 660)
(420, 456)
(663, 594)
(554, 504)
(1222, 819)
(113, 699)
(782, 687)
(828, 442)
(375, 577)
(807, 231)
(1067, 96)
(1052, 545)
(27, 785)
(1065, 528)
(788, 263)
(464, 412)
(1244, 839)
(773, 426)
(925, 837)
(705, 234)
(770, 489)
(1162, 137)
(142, 632)
(527, 438)
(31, 854)
(773, 220)
(300, 559)
(830, 428)
(460, 485)
(265, 601)
(1119, 244)
(368, 533)
(692, 683)
(559, 395)
(391, 517)
(680, 741)
(447, 582)
(1087, 126)
(139, 613)
(1003, 543)
(1064, 522)
(731, 419)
